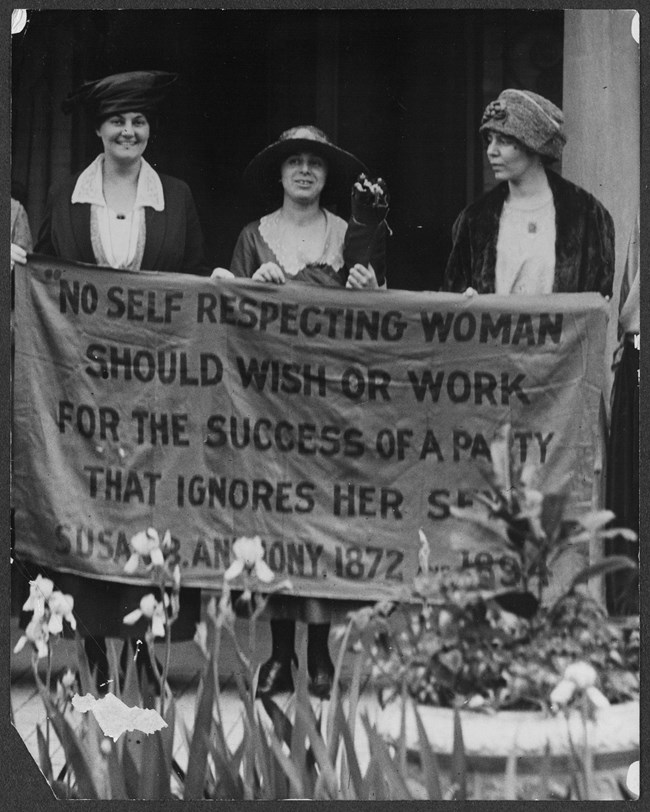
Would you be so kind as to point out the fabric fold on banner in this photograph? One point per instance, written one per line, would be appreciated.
(333, 424)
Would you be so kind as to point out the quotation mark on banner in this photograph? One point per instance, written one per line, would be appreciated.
(18, 20)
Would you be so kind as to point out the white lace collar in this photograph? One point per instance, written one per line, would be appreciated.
(89, 187)
(272, 231)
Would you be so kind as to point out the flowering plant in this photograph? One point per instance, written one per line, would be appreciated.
(474, 645)
(256, 577)
(50, 608)
(249, 558)
(158, 556)
(152, 609)
(148, 547)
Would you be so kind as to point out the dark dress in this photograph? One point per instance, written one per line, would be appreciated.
(622, 492)
(345, 244)
(174, 243)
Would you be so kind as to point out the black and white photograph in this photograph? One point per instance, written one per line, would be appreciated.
(321, 459)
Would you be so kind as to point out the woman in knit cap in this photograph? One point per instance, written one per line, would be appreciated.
(120, 213)
(535, 232)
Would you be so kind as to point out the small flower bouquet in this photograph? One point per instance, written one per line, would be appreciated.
(369, 199)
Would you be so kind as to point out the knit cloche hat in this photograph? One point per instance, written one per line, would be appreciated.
(262, 174)
(135, 91)
(530, 118)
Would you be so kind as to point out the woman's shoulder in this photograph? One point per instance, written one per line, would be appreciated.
(336, 226)
(253, 228)
(335, 223)
(17, 209)
(490, 203)
(572, 195)
(172, 184)
(64, 186)
(335, 219)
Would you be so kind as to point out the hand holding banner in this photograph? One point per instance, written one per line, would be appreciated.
(334, 424)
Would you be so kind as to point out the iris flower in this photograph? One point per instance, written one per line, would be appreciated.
(578, 676)
(40, 590)
(37, 634)
(49, 609)
(147, 544)
(152, 609)
(249, 556)
(61, 607)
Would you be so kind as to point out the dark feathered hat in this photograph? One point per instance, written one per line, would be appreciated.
(135, 91)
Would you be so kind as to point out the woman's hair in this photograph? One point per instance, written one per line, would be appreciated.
(547, 160)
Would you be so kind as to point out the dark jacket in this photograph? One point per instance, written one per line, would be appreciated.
(584, 242)
(174, 241)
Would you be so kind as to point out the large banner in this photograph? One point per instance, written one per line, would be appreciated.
(332, 423)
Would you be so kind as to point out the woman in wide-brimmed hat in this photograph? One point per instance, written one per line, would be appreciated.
(302, 240)
(297, 176)
(120, 213)
(535, 232)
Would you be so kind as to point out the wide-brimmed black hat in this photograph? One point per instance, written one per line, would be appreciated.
(135, 91)
(262, 175)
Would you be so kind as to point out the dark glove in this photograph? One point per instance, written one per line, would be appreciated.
(365, 239)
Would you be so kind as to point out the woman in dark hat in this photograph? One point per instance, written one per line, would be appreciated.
(301, 238)
(304, 241)
(120, 213)
(535, 232)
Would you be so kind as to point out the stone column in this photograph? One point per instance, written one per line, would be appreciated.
(601, 103)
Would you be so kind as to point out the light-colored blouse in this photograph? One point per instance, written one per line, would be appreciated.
(526, 246)
(118, 239)
(20, 231)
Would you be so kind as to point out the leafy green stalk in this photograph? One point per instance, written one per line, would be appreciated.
(458, 759)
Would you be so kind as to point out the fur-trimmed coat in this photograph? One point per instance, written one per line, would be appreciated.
(584, 242)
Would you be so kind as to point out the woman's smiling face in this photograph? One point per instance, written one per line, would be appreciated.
(124, 135)
(303, 176)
